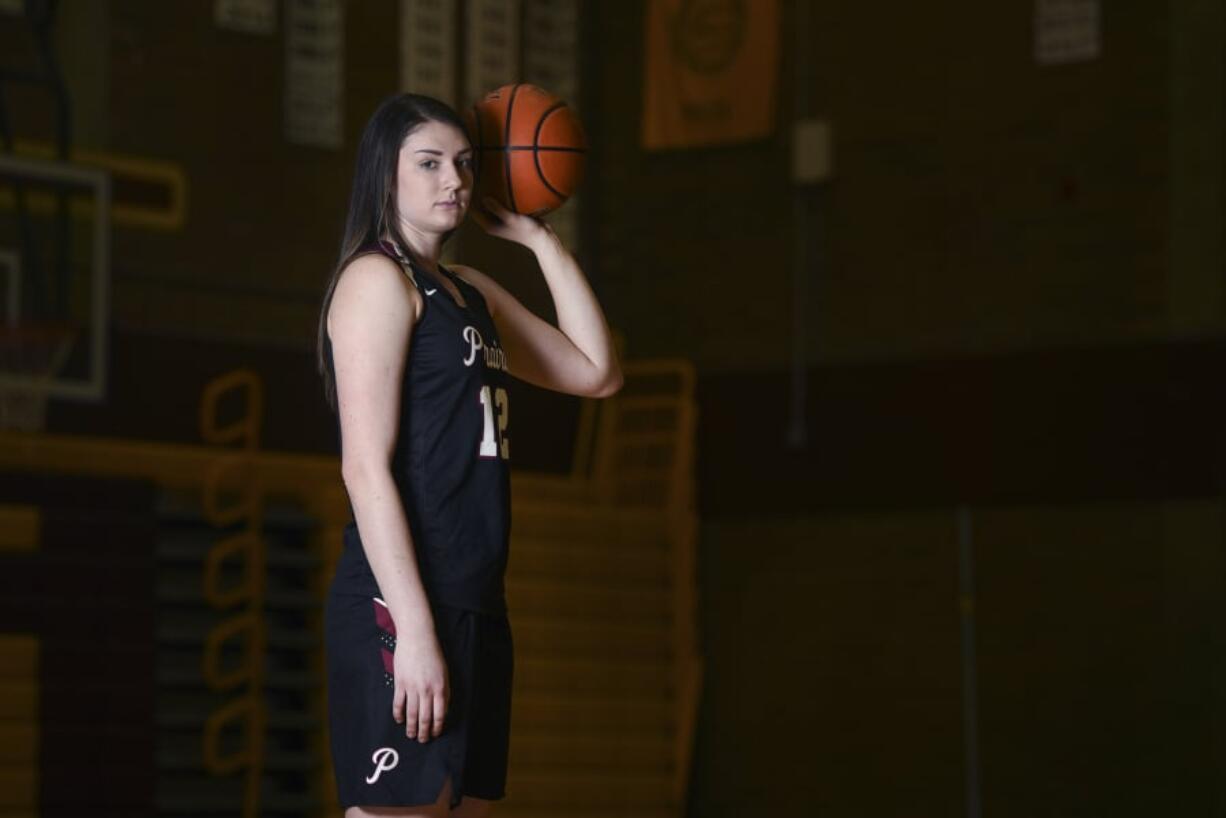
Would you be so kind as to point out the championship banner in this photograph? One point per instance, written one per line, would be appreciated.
(314, 72)
(551, 47)
(493, 46)
(427, 48)
(711, 71)
(250, 16)
(551, 60)
(1067, 31)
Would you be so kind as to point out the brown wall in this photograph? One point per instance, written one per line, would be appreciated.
(1007, 268)
(834, 682)
(158, 81)
(980, 202)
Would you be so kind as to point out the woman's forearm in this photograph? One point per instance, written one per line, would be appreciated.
(384, 529)
(580, 317)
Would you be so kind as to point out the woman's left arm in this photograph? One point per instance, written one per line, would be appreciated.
(577, 356)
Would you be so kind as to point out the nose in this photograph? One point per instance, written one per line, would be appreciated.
(453, 179)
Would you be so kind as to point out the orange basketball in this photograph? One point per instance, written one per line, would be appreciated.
(529, 148)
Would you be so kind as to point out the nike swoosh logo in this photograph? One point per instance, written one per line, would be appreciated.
(431, 292)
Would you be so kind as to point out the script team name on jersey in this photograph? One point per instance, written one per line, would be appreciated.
(495, 358)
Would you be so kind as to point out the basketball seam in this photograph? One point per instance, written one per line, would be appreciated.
(506, 140)
(536, 152)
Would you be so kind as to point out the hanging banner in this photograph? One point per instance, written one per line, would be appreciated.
(250, 16)
(711, 71)
(427, 48)
(314, 72)
(551, 47)
(493, 46)
(1066, 31)
(551, 61)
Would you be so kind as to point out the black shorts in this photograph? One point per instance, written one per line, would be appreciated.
(375, 763)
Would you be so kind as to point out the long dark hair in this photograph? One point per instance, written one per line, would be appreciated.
(372, 204)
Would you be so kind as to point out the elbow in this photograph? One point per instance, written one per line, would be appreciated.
(609, 386)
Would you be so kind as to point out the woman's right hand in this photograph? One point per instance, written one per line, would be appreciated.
(421, 685)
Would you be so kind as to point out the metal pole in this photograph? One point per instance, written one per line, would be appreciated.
(797, 432)
(970, 698)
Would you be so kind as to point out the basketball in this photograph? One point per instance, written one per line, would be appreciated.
(529, 148)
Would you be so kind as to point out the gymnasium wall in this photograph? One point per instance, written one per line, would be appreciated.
(266, 215)
(980, 202)
(1015, 308)
(834, 686)
(239, 283)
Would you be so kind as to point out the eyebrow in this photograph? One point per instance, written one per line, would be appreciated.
(440, 153)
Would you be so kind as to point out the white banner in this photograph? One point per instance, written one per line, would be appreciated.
(551, 47)
(314, 72)
(493, 47)
(249, 16)
(551, 60)
(1066, 31)
(427, 48)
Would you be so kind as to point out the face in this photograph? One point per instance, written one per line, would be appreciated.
(434, 178)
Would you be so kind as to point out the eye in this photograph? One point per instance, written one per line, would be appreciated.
(428, 164)
(465, 162)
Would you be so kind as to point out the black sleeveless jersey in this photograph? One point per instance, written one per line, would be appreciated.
(451, 459)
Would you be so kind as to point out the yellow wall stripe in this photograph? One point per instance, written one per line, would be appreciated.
(19, 725)
(20, 528)
(160, 175)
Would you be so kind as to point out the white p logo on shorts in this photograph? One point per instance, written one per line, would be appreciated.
(385, 758)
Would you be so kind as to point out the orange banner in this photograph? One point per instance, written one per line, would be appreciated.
(711, 69)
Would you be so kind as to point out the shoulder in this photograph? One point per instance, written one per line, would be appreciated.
(371, 282)
(372, 268)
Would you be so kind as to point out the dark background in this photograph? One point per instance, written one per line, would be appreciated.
(1014, 311)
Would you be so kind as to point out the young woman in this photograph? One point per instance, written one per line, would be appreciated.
(415, 359)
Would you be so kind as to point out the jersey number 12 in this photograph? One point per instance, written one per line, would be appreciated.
(491, 447)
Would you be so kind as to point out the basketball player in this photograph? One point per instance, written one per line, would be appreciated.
(415, 359)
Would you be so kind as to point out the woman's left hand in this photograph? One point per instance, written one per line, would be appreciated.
(505, 224)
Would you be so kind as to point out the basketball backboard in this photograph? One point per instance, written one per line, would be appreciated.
(54, 281)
